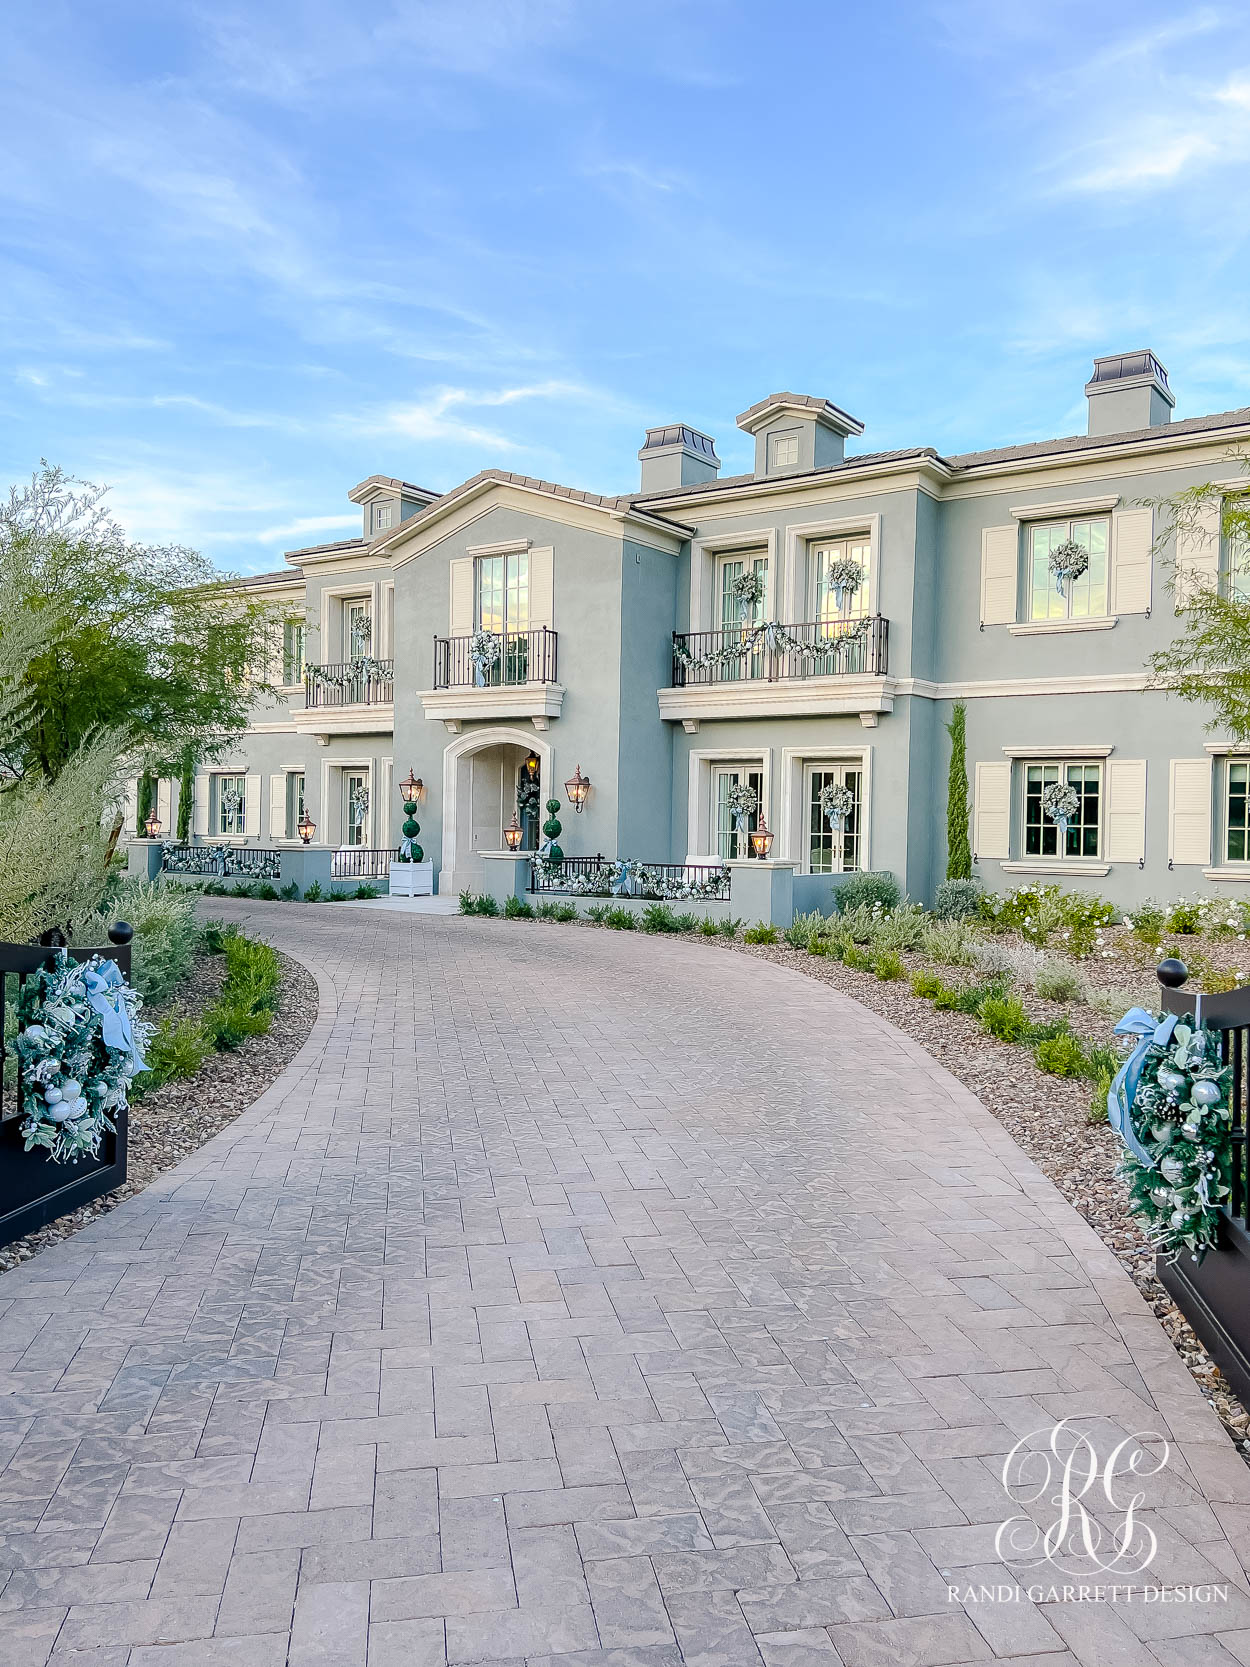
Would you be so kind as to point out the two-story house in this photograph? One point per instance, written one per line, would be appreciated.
(705, 644)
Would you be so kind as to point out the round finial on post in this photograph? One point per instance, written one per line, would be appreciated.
(121, 932)
(1171, 973)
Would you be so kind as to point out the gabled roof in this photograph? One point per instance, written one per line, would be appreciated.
(823, 410)
(733, 483)
(387, 483)
(328, 549)
(1094, 442)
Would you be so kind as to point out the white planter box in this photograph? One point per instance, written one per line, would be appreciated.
(412, 879)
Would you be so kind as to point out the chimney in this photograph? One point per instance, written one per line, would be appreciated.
(677, 455)
(1128, 391)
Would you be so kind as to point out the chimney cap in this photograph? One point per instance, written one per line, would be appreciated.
(680, 434)
(1142, 366)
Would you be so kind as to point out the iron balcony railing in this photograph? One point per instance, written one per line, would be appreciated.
(500, 661)
(601, 876)
(362, 862)
(770, 653)
(210, 861)
(351, 683)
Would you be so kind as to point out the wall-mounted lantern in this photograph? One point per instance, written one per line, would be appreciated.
(577, 787)
(306, 828)
(533, 765)
(762, 839)
(412, 791)
(513, 835)
(152, 827)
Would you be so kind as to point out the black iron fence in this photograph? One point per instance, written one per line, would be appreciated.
(350, 683)
(601, 876)
(838, 648)
(222, 862)
(362, 862)
(487, 661)
(34, 1190)
(1214, 1295)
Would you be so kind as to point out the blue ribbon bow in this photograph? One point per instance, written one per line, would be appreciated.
(1153, 1033)
(620, 886)
(104, 984)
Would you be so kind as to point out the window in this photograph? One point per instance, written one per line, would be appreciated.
(736, 614)
(1083, 834)
(230, 811)
(1235, 555)
(293, 652)
(1237, 811)
(356, 807)
(502, 606)
(294, 802)
(382, 516)
(733, 840)
(1082, 598)
(833, 850)
(357, 630)
(824, 561)
(783, 450)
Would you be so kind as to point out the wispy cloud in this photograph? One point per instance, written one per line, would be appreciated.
(300, 527)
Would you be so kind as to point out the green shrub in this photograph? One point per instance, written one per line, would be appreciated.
(213, 888)
(687, 922)
(253, 972)
(927, 985)
(516, 908)
(857, 959)
(599, 912)
(957, 899)
(862, 924)
(709, 928)
(730, 926)
(1056, 982)
(761, 932)
(366, 891)
(817, 945)
(888, 964)
(1184, 917)
(177, 1048)
(902, 929)
(243, 888)
(951, 942)
(312, 893)
(1061, 1056)
(268, 893)
(947, 999)
(167, 933)
(486, 905)
(801, 929)
(230, 1023)
(621, 919)
(1004, 1017)
(863, 890)
(547, 910)
(1147, 921)
(972, 997)
(289, 893)
(468, 902)
(658, 917)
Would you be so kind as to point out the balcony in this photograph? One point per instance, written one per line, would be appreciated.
(502, 675)
(818, 667)
(354, 697)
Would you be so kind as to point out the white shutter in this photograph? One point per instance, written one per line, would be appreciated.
(251, 807)
(1132, 541)
(542, 588)
(460, 623)
(199, 806)
(1126, 809)
(1189, 811)
(992, 811)
(1198, 554)
(277, 806)
(164, 805)
(1000, 560)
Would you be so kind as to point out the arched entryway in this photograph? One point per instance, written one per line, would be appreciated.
(486, 781)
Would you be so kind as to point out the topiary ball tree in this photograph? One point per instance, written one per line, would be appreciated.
(411, 829)
(551, 831)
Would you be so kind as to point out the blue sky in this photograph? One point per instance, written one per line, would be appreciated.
(250, 254)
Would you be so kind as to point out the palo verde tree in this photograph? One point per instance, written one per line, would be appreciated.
(146, 641)
(958, 849)
(1209, 660)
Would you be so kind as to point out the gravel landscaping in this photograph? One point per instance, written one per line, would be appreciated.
(171, 1122)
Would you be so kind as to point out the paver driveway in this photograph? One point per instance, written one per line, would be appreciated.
(580, 1297)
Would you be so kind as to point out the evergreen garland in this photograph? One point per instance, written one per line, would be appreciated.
(1178, 1159)
(958, 847)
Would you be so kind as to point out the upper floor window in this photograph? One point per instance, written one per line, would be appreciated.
(503, 593)
(383, 517)
(1063, 809)
(230, 810)
(742, 585)
(783, 451)
(1074, 595)
(1235, 554)
(292, 652)
(832, 597)
(357, 629)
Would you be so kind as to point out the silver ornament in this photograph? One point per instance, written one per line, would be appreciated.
(53, 1096)
(1205, 1093)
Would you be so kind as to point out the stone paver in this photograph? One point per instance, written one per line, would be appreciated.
(581, 1300)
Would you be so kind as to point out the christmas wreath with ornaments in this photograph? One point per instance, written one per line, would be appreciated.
(80, 1043)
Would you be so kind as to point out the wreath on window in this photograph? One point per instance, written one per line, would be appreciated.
(231, 800)
(844, 577)
(485, 652)
(359, 801)
(748, 591)
(1067, 563)
(743, 801)
(1061, 802)
(836, 804)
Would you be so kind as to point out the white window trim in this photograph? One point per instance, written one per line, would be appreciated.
(1049, 627)
(1044, 865)
(1065, 511)
(507, 547)
(335, 826)
(331, 594)
(703, 601)
(800, 536)
(792, 807)
(1062, 756)
(216, 777)
(1225, 867)
(699, 830)
(1064, 753)
(1024, 580)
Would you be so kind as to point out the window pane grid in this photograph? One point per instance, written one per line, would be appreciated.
(732, 841)
(1083, 598)
(231, 804)
(1041, 832)
(1237, 842)
(830, 852)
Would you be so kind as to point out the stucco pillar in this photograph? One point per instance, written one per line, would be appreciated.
(144, 858)
(305, 865)
(762, 891)
(505, 875)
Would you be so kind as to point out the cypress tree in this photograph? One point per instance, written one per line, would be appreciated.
(147, 787)
(186, 789)
(958, 849)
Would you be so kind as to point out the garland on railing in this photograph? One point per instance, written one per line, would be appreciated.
(364, 669)
(1068, 561)
(771, 639)
(1169, 1105)
(618, 878)
(485, 652)
(221, 860)
(82, 1043)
